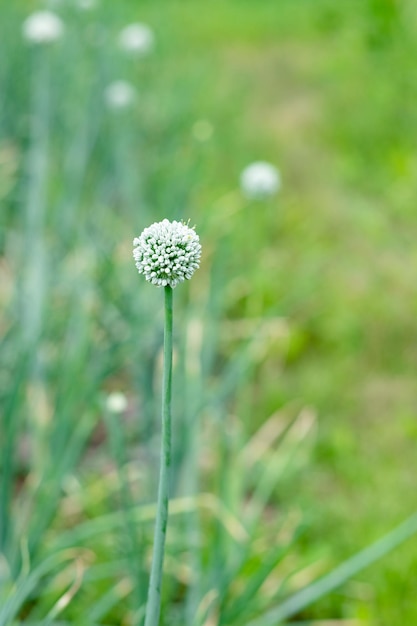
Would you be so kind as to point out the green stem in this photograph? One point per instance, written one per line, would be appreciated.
(154, 595)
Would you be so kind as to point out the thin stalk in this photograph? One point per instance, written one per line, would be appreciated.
(154, 595)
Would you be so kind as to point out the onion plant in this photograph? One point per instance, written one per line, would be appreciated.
(166, 253)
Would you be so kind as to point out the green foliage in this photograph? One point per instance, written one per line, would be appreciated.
(294, 408)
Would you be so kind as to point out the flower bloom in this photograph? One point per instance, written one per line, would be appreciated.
(167, 253)
(87, 5)
(42, 27)
(116, 402)
(119, 94)
(137, 39)
(260, 180)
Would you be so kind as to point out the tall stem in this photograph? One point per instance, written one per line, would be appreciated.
(154, 595)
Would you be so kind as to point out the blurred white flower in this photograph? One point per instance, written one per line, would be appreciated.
(87, 5)
(119, 95)
(167, 253)
(42, 27)
(137, 39)
(260, 180)
(116, 402)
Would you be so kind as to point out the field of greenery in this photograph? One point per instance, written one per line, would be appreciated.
(295, 395)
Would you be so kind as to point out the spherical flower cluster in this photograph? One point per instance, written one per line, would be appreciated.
(42, 27)
(260, 180)
(119, 95)
(116, 402)
(137, 39)
(167, 253)
(87, 5)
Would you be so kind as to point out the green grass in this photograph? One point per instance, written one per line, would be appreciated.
(304, 310)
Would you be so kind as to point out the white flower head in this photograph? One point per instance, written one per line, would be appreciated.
(87, 5)
(119, 95)
(116, 402)
(260, 180)
(137, 39)
(167, 253)
(42, 27)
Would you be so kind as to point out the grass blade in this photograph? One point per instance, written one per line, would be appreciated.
(338, 576)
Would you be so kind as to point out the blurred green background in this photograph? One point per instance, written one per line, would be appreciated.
(295, 394)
